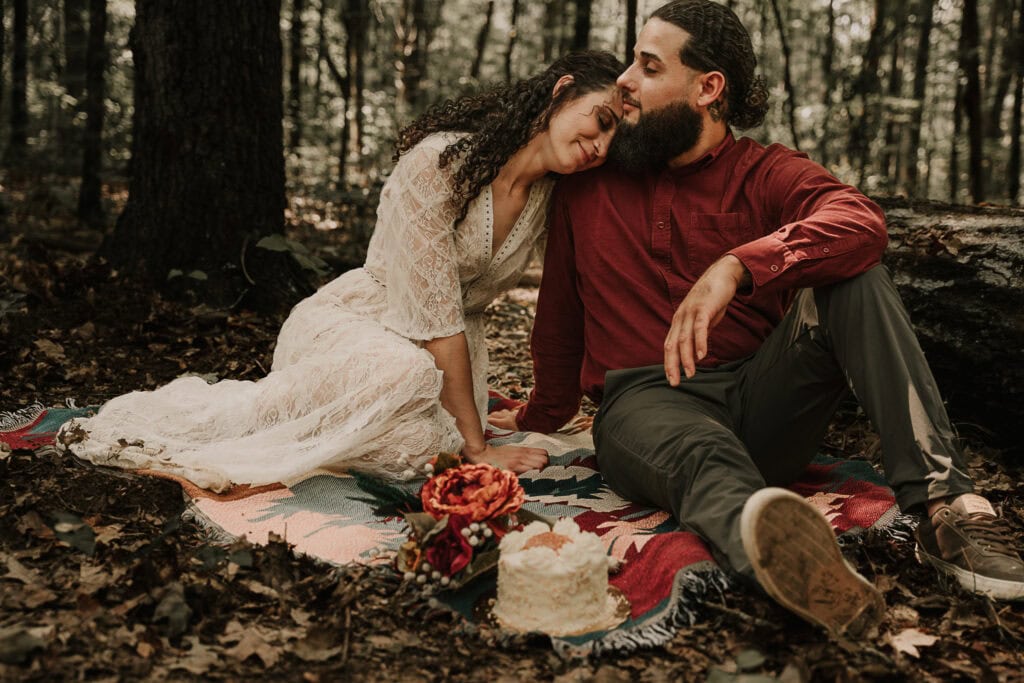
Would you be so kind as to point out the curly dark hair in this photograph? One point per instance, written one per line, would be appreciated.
(502, 120)
(719, 42)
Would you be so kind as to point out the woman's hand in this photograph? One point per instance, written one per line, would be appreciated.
(519, 459)
(504, 419)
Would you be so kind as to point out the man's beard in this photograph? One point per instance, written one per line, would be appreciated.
(658, 136)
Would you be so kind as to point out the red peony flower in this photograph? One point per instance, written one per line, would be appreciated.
(477, 492)
(449, 551)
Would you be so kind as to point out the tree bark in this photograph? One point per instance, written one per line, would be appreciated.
(355, 16)
(909, 182)
(959, 271)
(868, 87)
(1018, 102)
(295, 75)
(999, 83)
(90, 206)
(581, 31)
(3, 50)
(553, 11)
(76, 40)
(321, 50)
(890, 151)
(417, 22)
(207, 154)
(828, 69)
(954, 145)
(513, 32)
(787, 77)
(631, 10)
(969, 64)
(16, 147)
(481, 41)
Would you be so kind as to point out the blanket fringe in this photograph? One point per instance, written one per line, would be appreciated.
(692, 587)
(211, 530)
(21, 418)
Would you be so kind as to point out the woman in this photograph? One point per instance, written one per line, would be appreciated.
(386, 366)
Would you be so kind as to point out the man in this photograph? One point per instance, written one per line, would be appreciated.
(718, 299)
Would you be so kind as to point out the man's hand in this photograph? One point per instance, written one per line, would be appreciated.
(504, 419)
(702, 309)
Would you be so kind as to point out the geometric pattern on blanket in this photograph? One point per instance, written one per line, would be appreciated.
(666, 572)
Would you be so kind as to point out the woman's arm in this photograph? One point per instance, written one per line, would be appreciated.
(451, 354)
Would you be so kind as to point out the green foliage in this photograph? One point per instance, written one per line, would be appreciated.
(826, 105)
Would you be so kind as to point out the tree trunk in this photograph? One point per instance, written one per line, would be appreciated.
(481, 41)
(321, 50)
(295, 75)
(207, 153)
(890, 151)
(868, 87)
(954, 145)
(969, 64)
(631, 9)
(581, 32)
(90, 207)
(553, 12)
(512, 33)
(909, 183)
(413, 57)
(787, 77)
(1018, 102)
(827, 68)
(999, 84)
(959, 271)
(16, 147)
(76, 40)
(355, 15)
(3, 48)
(71, 74)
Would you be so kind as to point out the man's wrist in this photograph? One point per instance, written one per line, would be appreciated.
(739, 272)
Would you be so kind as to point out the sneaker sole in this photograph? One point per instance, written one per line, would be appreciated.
(997, 589)
(797, 561)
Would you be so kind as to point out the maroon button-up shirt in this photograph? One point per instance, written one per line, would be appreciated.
(624, 251)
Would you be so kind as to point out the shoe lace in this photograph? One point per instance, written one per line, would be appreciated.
(991, 533)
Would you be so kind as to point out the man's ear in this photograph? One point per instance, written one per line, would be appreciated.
(712, 87)
(562, 82)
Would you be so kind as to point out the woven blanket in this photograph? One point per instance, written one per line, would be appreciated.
(666, 572)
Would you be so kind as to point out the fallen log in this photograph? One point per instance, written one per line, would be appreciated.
(960, 271)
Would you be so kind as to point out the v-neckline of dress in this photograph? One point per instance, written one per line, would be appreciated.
(496, 256)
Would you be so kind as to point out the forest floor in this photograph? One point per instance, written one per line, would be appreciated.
(101, 580)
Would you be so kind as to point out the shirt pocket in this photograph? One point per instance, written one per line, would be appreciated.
(711, 235)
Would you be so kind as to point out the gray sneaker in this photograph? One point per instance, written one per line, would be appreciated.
(797, 561)
(968, 541)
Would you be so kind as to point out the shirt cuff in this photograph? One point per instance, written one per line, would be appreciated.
(766, 258)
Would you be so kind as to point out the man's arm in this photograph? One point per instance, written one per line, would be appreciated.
(556, 343)
(830, 232)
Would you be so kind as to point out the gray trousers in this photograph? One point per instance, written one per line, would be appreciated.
(701, 449)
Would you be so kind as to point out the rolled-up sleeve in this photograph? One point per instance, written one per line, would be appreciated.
(829, 230)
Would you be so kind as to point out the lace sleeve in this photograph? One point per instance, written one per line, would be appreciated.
(424, 296)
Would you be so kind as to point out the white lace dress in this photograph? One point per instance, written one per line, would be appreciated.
(351, 386)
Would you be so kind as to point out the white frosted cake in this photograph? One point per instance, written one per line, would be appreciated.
(554, 581)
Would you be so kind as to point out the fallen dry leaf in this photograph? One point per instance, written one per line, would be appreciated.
(51, 350)
(908, 640)
(252, 643)
(198, 658)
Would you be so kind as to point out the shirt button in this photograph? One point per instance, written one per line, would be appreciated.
(774, 268)
(824, 250)
(661, 225)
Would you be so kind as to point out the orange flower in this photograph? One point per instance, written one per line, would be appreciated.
(477, 492)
